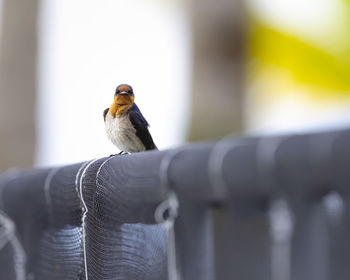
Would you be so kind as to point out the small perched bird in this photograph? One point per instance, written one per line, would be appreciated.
(125, 126)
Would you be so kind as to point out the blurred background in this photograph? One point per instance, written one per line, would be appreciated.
(200, 70)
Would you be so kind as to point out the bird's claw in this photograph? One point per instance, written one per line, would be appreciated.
(119, 154)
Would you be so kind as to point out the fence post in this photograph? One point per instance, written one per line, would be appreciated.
(18, 47)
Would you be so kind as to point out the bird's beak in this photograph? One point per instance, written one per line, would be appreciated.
(123, 93)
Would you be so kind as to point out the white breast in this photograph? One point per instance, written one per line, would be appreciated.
(122, 133)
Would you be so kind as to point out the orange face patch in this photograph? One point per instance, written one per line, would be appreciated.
(124, 88)
(121, 104)
(124, 99)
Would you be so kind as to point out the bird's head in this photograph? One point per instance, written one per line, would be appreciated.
(124, 95)
(124, 89)
(123, 99)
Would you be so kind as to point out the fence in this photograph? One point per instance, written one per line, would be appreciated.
(241, 208)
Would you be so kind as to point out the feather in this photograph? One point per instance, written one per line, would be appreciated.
(105, 112)
(141, 125)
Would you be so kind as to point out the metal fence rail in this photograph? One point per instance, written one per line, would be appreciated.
(244, 208)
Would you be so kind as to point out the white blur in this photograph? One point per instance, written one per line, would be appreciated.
(89, 47)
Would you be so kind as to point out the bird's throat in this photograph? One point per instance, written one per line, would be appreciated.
(121, 104)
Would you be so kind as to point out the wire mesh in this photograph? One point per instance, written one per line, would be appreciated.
(284, 213)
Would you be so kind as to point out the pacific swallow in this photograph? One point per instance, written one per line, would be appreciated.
(125, 125)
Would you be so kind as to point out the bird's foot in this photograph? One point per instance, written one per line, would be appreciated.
(119, 154)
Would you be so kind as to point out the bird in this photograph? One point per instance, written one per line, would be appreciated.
(125, 125)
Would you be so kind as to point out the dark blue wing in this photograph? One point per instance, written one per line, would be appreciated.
(105, 112)
(141, 125)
